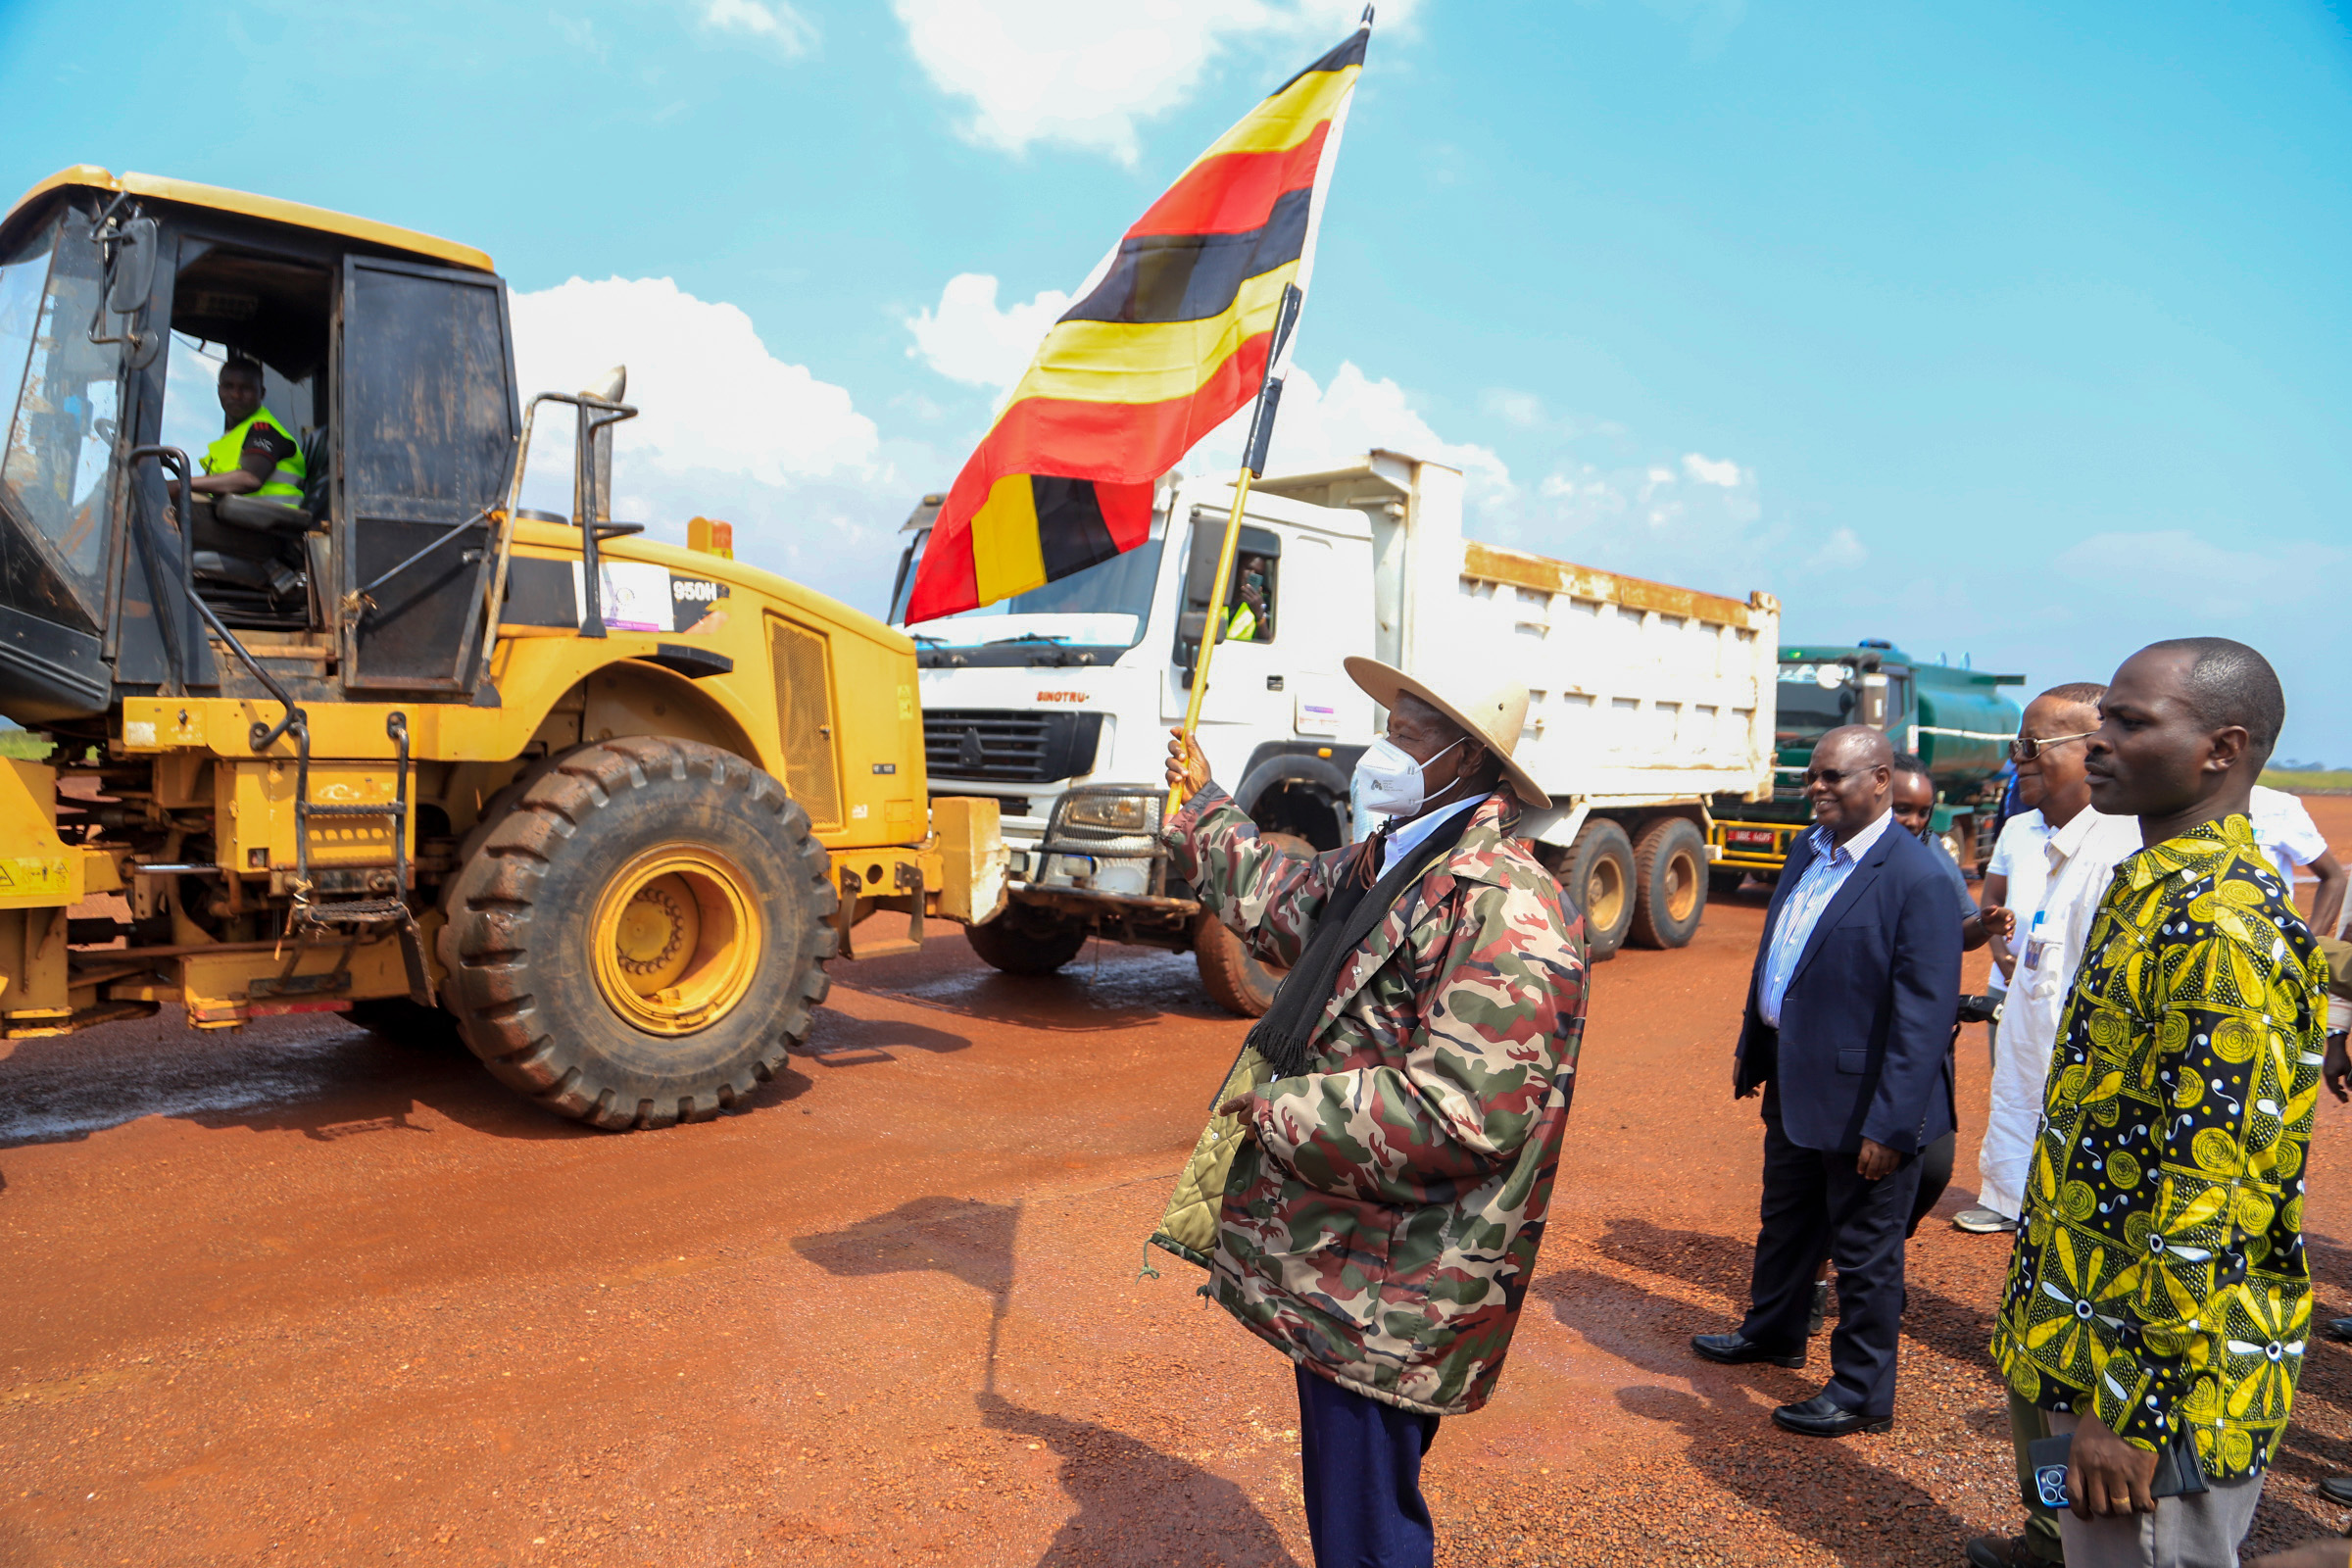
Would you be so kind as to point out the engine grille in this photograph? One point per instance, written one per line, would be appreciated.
(1010, 744)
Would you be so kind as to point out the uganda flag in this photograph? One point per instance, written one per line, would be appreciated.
(1170, 336)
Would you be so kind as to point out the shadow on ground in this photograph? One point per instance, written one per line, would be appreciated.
(1825, 1492)
(838, 1040)
(1108, 986)
(319, 1075)
(1138, 1505)
(1135, 1504)
(1834, 1487)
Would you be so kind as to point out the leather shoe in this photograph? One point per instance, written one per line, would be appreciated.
(2339, 1328)
(2336, 1489)
(1733, 1350)
(1818, 1417)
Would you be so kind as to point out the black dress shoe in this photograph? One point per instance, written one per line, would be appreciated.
(2339, 1328)
(2336, 1489)
(1821, 1308)
(1733, 1350)
(1817, 1417)
(2012, 1552)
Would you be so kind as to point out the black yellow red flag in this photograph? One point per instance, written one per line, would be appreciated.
(1170, 336)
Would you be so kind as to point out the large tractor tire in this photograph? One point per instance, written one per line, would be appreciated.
(1235, 978)
(640, 938)
(1670, 883)
(1026, 940)
(1599, 881)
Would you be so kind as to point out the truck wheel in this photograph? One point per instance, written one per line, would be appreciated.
(1600, 884)
(1025, 940)
(1723, 882)
(640, 938)
(1670, 883)
(1235, 978)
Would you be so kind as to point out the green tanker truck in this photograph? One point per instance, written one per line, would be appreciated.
(1956, 720)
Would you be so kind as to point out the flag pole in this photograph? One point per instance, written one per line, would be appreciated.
(1253, 465)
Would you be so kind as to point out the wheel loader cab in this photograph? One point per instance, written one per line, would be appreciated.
(390, 368)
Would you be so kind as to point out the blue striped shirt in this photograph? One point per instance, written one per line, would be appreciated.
(1831, 864)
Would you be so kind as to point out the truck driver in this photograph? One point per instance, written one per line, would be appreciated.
(1251, 623)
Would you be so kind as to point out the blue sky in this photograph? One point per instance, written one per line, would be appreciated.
(2013, 329)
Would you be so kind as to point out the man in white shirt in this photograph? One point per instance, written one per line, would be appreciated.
(2044, 846)
(2290, 839)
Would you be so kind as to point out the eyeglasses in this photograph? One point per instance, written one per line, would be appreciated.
(2026, 748)
(1833, 776)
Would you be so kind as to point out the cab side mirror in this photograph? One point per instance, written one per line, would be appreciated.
(130, 266)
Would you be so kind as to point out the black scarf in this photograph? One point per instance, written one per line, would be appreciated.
(1349, 916)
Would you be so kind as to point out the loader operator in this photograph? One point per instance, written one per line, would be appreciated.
(255, 454)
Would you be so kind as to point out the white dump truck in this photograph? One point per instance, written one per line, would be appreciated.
(1651, 707)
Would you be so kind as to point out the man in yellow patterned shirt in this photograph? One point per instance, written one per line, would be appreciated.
(2159, 1297)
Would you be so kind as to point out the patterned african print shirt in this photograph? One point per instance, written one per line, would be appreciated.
(2159, 1281)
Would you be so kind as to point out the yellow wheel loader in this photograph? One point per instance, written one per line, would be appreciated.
(360, 732)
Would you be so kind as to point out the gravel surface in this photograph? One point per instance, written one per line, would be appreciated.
(305, 1295)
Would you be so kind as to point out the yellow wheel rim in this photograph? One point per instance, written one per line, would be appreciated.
(1681, 885)
(676, 939)
(1604, 893)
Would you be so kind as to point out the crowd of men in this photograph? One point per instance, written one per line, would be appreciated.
(1371, 1192)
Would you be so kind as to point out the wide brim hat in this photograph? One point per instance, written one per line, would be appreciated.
(1495, 718)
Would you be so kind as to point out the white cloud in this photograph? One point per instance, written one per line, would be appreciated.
(1081, 74)
(1643, 517)
(968, 339)
(773, 19)
(1842, 551)
(726, 430)
(712, 395)
(1720, 473)
(2178, 570)
(1326, 427)
(1522, 409)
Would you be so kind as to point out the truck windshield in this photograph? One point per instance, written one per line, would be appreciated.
(61, 392)
(1809, 709)
(1118, 587)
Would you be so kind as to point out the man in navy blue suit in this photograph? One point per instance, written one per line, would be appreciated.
(1848, 1033)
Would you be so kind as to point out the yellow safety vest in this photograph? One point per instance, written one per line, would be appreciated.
(227, 455)
(1242, 627)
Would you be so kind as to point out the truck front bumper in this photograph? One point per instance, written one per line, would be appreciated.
(1100, 860)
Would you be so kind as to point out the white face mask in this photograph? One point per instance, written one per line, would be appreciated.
(1388, 780)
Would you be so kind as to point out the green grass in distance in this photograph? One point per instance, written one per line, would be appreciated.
(23, 744)
(2333, 780)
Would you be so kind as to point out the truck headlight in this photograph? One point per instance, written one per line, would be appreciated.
(1120, 814)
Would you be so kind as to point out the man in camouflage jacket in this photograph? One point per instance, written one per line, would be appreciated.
(1380, 1220)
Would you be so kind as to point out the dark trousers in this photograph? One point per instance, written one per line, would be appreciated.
(1935, 1175)
(1361, 1463)
(1815, 1202)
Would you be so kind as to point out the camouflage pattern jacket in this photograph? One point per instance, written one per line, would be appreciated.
(1380, 1224)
